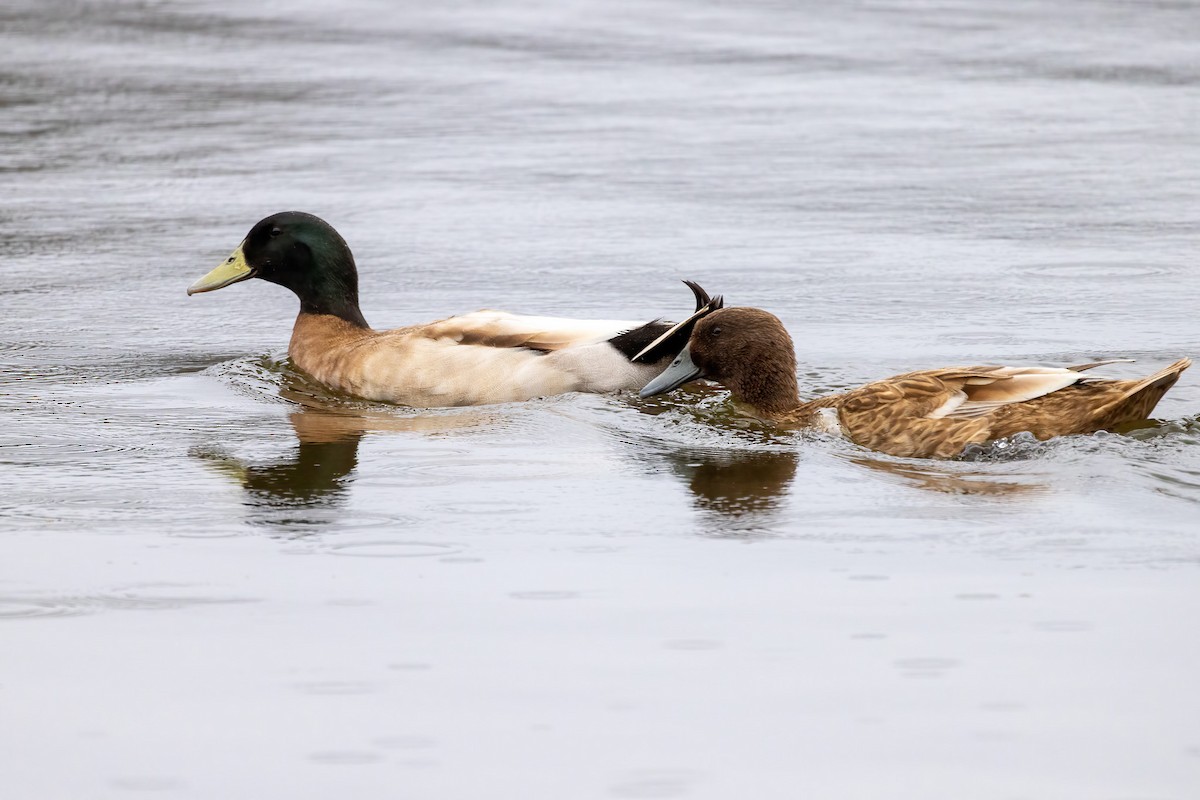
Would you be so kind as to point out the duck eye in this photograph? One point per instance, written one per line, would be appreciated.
(716, 331)
(275, 232)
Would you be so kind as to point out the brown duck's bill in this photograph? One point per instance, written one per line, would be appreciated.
(681, 371)
(231, 270)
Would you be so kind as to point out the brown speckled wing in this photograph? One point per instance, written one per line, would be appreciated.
(892, 416)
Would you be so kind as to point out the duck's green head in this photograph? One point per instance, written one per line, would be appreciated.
(301, 252)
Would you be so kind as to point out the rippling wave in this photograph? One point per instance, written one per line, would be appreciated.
(141, 598)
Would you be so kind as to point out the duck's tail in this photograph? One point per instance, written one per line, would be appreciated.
(658, 340)
(1140, 397)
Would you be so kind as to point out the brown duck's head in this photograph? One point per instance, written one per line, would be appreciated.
(300, 252)
(746, 349)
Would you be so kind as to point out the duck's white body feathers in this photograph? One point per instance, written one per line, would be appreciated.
(472, 359)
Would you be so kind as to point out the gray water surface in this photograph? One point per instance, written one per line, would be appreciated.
(219, 580)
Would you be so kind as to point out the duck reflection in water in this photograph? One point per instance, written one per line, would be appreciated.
(300, 490)
(943, 477)
(740, 489)
(751, 485)
(747, 487)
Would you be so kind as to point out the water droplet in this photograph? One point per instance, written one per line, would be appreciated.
(652, 784)
(543, 595)
(146, 784)
(336, 687)
(344, 757)
(692, 644)
(390, 549)
(925, 667)
(405, 742)
(1063, 626)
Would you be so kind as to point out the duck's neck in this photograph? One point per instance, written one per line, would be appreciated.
(770, 390)
(346, 310)
(327, 294)
(330, 287)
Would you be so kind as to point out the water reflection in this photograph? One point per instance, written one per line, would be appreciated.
(300, 490)
(947, 478)
(741, 489)
(750, 485)
(314, 474)
(740, 486)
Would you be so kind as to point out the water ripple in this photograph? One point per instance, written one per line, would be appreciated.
(393, 549)
(1097, 270)
(37, 605)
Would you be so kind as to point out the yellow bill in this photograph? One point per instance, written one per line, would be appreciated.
(231, 270)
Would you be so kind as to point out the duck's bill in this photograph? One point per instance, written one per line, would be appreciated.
(681, 371)
(232, 270)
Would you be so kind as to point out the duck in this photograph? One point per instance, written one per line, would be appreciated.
(478, 358)
(933, 413)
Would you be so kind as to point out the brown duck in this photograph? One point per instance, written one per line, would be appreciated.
(933, 413)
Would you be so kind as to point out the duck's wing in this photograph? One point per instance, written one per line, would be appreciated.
(491, 328)
(587, 355)
(487, 357)
(981, 390)
(958, 391)
(936, 413)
